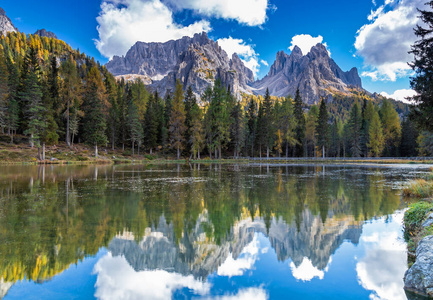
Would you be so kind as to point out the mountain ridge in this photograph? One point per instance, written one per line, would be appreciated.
(6, 24)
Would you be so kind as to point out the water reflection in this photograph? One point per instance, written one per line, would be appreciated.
(178, 231)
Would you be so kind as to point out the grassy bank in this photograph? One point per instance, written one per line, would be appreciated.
(414, 232)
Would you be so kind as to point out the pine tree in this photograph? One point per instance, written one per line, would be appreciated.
(177, 120)
(288, 124)
(322, 129)
(4, 76)
(354, 126)
(190, 100)
(13, 109)
(71, 91)
(134, 125)
(237, 129)
(267, 126)
(196, 131)
(300, 124)
(151, 123)
(409, 136)
(94, 122)
(422, 83)
(251, 124)
(376, 138)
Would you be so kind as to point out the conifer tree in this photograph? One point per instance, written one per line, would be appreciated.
(391, 127)
(94, 122)
(422, 82)
(409, 136)
(288, 124)
(267, 126)
(134, 125)
(354, 126)
(13, 109)
(300, 124)
(322, 129)
(237, 129)
(151, 123)
(376, 138)
(177, 120)
(71, 91)
(310, 129)
(251, 124)
(196, 131)
(4, 76)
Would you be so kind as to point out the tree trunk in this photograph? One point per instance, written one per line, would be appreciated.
(123, 146)
(112, 139)
(210, 154)
(178, 152)
(150, 151)
(287, 150)
(68, 138)
(96, 150)
(138, 149)
(219, 149)
(198, 154)
(39, 153)
(267, 152)
(133, 148)
(323, 151)
(43, 151)
(12, 137)
(216, 153)
(260, 151)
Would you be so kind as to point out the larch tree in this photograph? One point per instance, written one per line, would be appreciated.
(376, 141)
(177, 126)
(4, 77)
(354, 126)
(300, 123)
(391, 127)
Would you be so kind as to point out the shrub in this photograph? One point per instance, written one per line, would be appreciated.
(415, 215)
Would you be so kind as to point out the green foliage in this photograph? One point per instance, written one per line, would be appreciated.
(415, 216)
(376, 140)
(177, 126)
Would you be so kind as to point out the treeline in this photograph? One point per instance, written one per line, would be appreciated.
(51, 93)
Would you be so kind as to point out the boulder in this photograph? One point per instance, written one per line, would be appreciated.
(428, 222)
(419, 278)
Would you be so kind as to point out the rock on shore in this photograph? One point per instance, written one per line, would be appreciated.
(419, 278)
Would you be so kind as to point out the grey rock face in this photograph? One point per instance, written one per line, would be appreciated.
(6, 23)
(45, 33)
(428, 222)
(419, 278)
(316, 75)
(195, 61)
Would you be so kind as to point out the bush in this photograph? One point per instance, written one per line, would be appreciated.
(149, 157)
(415, 216)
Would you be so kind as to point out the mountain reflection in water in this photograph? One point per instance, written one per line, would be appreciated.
(207, 231)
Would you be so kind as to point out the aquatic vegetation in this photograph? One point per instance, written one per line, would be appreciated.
(419, 188)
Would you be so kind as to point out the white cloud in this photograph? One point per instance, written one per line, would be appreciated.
(245, 261)
(384, 43)
(264, 62)
(306, 271)
(116, 279)
(248, 12)
(400, 95)
(245, 52)
(382, 269)
(306, 42)
(124, 22)
(246, 294)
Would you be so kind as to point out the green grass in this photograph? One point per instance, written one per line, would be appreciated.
(419, 188)
(413, 219)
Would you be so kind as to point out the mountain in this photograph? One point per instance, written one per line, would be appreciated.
(45, 33)
(6, 23)
(316, 74)
(196, 61)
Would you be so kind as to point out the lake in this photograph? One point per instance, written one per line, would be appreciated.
(203, 231)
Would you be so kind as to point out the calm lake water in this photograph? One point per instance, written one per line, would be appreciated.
(202, 232)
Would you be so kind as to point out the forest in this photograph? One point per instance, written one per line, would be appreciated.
(50, 93)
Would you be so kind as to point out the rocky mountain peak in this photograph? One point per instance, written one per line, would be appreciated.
(316, 75)
(44, 33)
(197, 61)
(6, 23)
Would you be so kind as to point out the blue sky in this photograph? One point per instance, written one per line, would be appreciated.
(372, 35)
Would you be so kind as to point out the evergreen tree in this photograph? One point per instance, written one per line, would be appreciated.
(4, 76)
(151, 123)
(13, 109)
(190, 101)
(71, 91)
(177, 120)
(288, 124)
(300, 124)
(94, 122)
(266, 124)
(196, 131)
(422, 83)
(251, 124)
(134, 125)
(354, 126)
(322, 129)
(376, 138)
(237, 129)
(409, 136)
